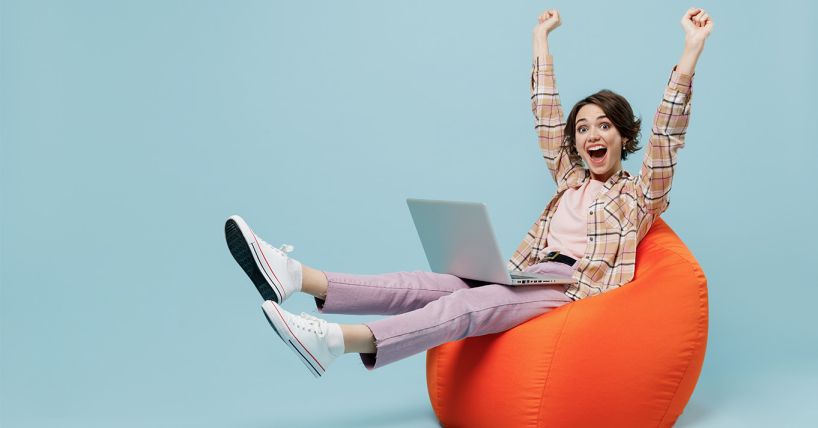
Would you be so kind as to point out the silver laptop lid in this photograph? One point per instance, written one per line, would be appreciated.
(458, 239)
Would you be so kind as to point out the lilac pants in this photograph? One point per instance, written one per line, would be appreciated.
(431, 309)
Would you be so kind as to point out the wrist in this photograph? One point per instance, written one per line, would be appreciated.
(694, 46)
(540, 48)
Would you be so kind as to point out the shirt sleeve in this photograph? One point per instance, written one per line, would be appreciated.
(548, 119)
(667, 137)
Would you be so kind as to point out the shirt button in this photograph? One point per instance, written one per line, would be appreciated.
(591, 238)
(591, 213)
(587, 257)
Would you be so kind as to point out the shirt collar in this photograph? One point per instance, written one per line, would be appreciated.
(611, 181)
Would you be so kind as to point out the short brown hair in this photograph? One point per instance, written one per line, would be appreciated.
(618, 110)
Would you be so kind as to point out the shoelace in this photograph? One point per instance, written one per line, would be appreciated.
(284, 250)
(310, 323)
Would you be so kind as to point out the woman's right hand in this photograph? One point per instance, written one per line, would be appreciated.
(548, 21)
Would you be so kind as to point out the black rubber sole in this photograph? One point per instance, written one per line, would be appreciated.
(243, 251)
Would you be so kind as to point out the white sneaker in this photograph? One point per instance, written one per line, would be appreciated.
(275, 275)
(307, 335)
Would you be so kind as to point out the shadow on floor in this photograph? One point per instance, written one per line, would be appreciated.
(410, 416)
(694, 414)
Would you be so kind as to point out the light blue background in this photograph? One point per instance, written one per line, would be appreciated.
(131, 130)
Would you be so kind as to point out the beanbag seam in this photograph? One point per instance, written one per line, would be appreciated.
(437, 385)
(701, 332)
(553, 357)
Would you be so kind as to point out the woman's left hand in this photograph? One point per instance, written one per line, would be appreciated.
(697, 25)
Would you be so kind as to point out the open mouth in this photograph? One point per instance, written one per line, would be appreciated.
(597, 153)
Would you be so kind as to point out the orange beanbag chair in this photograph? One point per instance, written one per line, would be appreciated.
(626, 358)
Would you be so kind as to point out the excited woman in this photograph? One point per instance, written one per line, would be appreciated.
(589, 230)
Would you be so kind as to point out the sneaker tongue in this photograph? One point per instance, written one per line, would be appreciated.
(284, 249)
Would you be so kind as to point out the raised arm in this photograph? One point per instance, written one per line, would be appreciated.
(671, 119)
(545, 101)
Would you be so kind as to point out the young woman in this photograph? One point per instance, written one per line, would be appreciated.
(590, 230)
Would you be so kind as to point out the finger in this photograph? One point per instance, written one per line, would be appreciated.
(688, 19)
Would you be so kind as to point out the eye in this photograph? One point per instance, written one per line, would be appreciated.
(581, 129)
(605, 126)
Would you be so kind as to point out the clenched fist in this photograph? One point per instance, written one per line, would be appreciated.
(547, 21)
(697, 26)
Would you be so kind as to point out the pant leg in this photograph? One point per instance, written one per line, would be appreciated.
(464, 313)
(385, 294)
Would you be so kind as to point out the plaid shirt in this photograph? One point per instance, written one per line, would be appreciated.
(626, 206)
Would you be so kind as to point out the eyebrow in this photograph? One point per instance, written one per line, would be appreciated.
(600, 117)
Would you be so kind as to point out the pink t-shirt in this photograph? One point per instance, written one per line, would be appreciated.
(568, 232)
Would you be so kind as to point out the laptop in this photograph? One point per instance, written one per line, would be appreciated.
(458, 239)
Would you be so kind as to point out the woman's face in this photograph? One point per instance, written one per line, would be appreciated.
(598, 142)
